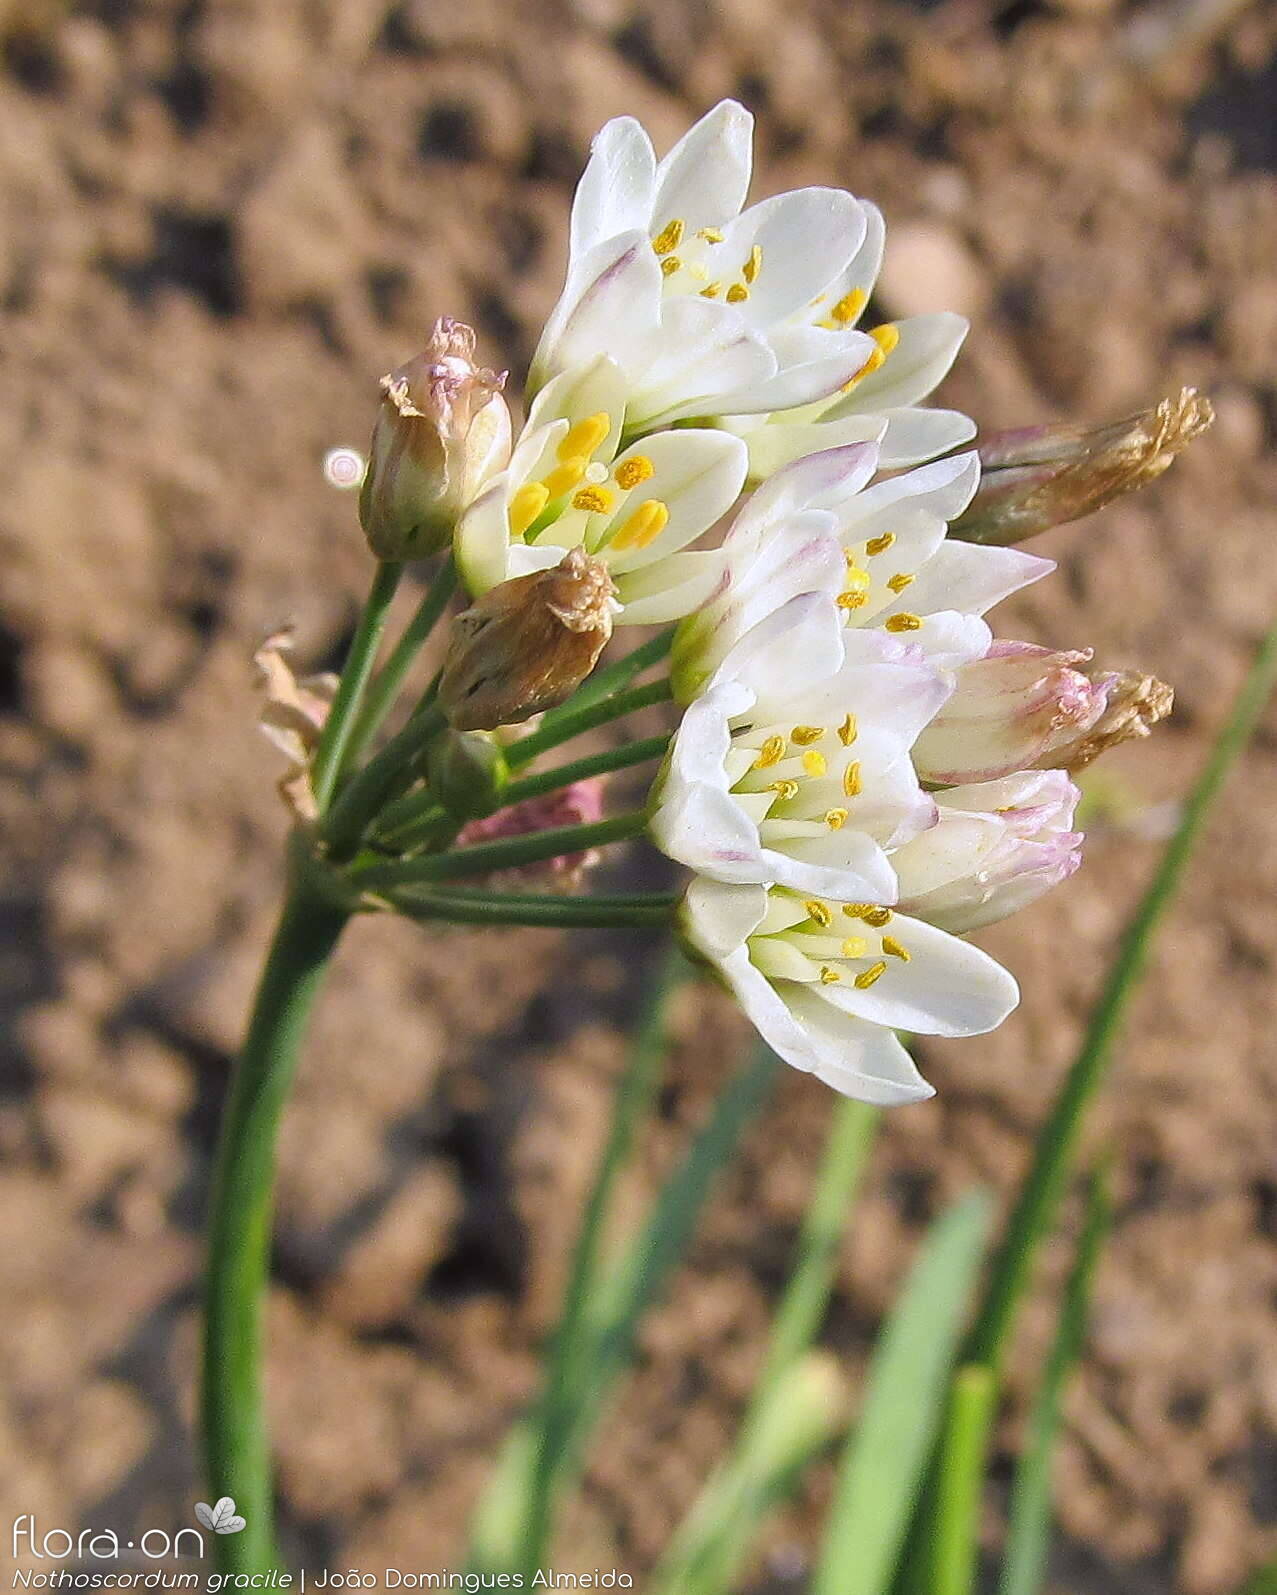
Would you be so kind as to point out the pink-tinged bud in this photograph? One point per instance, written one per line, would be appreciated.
(527, 644)
(580, 803)
(997, 847)
(1018, 708)
(1036, 477)
(442, 430)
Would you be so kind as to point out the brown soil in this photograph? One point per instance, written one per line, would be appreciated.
(221, 223)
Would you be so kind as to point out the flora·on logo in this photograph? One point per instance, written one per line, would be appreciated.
(220, 1518)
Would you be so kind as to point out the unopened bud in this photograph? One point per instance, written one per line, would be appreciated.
(467, 772)
(527, 644)
(442, 430)
(1135, 704)
(1037, 477)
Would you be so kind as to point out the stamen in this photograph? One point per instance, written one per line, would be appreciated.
(899, 581)
(749, 271)
(835, 819)
(851, 600)
(786, 789)
(880, 545)
(644, 526)
(852, 785)
(857, 910)
(886, 337)
(866, 977)
(585, 437)
(563, 478)
(638, 468)
(711, 235)
(736, 293)
(877, 917)
(820, 912)
(904, 621)
(849, 306)
(896, 949)
(804, 736)
(526, 505)
(847, 731)
(814, 763)
(828, 976)
(669, 237)
(670, 265)
(713, 291)
(855, 947)
(594, 500)
(771, 752)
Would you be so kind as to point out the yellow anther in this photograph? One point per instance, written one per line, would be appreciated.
(900, 581)
(585, 437)
(771, 752)
(736, 293)
(847, 731)
(629, 473)
(594, 500)
(895, 949)
(713, 291)
(564, 477)
(820, 912)
(876, 359)
(857, 910)
(852, 785)
(877, 917)
(526, 505)
(711, 235)
(856, 576)
(749, 271)
(880, 545)
(828, 976)
(785, 789)
(835, 819)
(670, 265)
(855, 947)
(804, 736)
(904, 621)
(814, 763)
(886, 337)
(643, 527)
(851, 600)
(866, 977)
(849, 307)
(669, 237)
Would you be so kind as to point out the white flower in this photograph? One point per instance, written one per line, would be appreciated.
(827, 983)
(706, 308)
(637, 510)
(879, 550)
(1015, 707)
(998, 846)
(793, 765)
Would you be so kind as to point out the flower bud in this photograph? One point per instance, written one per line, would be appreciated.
(527, 644)
(580, 803)
(1036, 477)
(467, 773)
(442, 430)
(996, 848)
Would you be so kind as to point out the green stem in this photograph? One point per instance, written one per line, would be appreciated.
(365, 793)
(616, 675)
(582, 769)
(508, 853)
(573, 722)
(384, 687)
(239, 1228)
(354, 678)
(962, 1456)
(555, 913)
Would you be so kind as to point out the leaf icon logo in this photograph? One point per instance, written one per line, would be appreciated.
(220, 1518)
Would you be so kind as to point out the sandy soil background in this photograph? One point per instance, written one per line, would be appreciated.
(221, 222)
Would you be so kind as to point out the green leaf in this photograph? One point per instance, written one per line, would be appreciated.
(1028, 1536)
(955, 1534)
(883, 1464)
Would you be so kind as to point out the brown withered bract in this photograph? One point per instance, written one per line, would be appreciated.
(527, 644)
(1036, 477)
(1135, 704)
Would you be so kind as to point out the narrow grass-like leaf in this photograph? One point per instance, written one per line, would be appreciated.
(883, 1464)
(1264, 1582)
(955, 1534)
(1028, 1536)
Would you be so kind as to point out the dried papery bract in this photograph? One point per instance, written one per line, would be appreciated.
(1037, 477)
(292, 717)
(1136, 703)
(527, 644)
(443, 428)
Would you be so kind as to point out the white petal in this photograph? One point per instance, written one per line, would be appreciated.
(611, 305)
(670, 589)
(705, 177)
(796, 646)
(820, 481)
(807, 236)
(700, 352)
(718, 919)
(804, 374)
(483, 539)
(950, 638)
(845, 865)
(927, 348)
(971, 578)
(617, 188)
(700, 826)
(698, 475)
(581, 391)
(779, 444)
(915, 434)
(527, 557)
(859, 1060)
(943, 489)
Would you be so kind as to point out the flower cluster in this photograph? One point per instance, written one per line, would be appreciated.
(716, 443)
